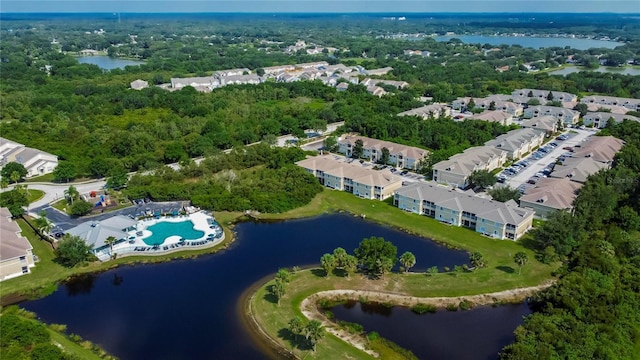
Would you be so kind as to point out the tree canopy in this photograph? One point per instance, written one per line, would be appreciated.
(376, 255)
(71, 251)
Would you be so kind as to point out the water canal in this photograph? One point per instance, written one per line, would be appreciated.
(187, 308)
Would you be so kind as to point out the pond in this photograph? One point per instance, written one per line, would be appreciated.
(108, 63)
(188, 309)
(476, 334)
(533, 42)
(627, 70)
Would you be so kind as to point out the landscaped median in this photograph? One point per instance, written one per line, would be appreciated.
(500, 274)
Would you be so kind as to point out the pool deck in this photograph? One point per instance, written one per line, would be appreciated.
(136, 245)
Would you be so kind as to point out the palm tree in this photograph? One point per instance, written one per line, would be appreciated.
(296, 327)
(42, 223)
(350, 264)
(340, 256)
(477, 260)
(278, 289)
(328, 263)
(71, 193)
(314, 332)
(110, 240)
(15, 176)
(408, 260)
(520, 258)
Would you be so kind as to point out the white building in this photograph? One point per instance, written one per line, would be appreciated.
(35, 161)
(567, 116)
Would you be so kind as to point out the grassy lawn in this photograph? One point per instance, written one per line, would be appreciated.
(62, 206)
(500, 274)
(41, 178)
(34, 195)
(274, 319)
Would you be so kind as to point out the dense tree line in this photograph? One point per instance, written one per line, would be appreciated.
(236, 182)
(593, 311)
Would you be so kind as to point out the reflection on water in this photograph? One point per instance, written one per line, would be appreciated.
(187, 309)
(475, 334)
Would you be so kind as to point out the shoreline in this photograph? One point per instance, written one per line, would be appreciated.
(308, 307)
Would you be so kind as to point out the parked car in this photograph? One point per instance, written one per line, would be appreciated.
(404, 172)
(553, 144)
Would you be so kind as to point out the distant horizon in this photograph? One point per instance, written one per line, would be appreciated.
(319, 13)
(322, 6)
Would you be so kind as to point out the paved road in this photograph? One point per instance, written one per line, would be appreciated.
(539, 165)
(64, 222)
(53, 192)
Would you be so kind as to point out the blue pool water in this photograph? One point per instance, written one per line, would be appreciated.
(164, 229)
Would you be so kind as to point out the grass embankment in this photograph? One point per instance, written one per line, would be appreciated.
(500, 274)
(41, 178)
(34, 195)
(81, 350)
(47, 273)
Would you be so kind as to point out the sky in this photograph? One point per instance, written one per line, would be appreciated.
(324, 6)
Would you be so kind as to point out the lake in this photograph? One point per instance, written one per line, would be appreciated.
(533, 42)
(627, 70)
(108, 63)
(187, 309)
(477, 334)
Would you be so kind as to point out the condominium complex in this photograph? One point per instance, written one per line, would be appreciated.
(599, 120)
(359, 179)
(543, 95)
(517, 143)
(567, 116)
(550, 195)
(457, 169)
(492, 218)
(631, 104)
(16, 253)
(402, 156)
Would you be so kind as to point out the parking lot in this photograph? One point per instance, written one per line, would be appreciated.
(537, 166)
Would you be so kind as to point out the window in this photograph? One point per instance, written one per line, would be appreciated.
(23, 259)
(25, 270)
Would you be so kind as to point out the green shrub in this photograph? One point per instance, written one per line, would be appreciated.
(329, 315)
(452, 307)
(423, 308)
(352, 328)
(465, 305)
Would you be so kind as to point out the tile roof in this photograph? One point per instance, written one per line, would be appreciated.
(515, 139)
(505, 213)
(577, 169)
(394, 148)
(356, 172)
(469, 160)
(599, 148)
(554, 193)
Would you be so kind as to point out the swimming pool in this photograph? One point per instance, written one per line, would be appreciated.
(164, 229)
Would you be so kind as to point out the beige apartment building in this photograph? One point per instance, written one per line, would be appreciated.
(16, 253)
(355, 178)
